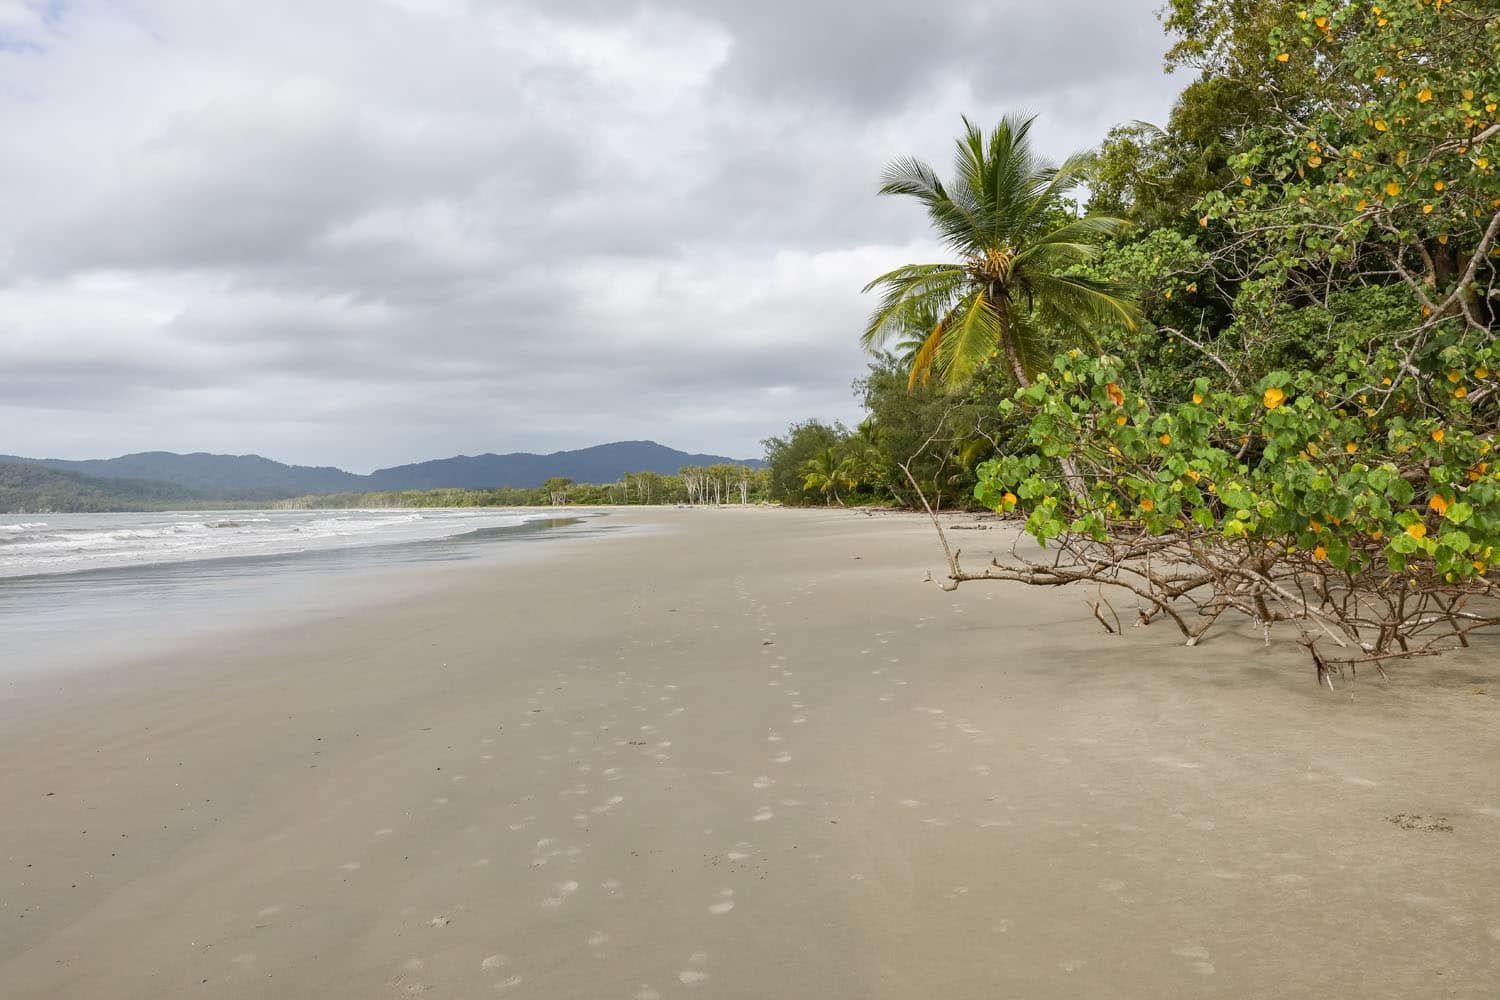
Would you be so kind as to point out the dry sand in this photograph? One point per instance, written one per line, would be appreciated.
(748, 754)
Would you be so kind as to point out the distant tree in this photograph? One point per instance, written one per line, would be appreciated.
(786, 455)
(826, 471)
(557, 489)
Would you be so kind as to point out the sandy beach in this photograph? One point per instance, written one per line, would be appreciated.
(747, 753)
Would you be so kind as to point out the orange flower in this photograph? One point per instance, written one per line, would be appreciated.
(1009, 499)
(1115, 395)
(1148, 505)
(1417, 530)
(1197, 397)
(1351, 447)
(1438, 435)
(1120, 420)
(1273, 398)
(1320, 553)
(1439, 505)
(1165, 439)
(1283, 57)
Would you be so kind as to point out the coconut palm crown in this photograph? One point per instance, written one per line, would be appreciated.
(1015, 278)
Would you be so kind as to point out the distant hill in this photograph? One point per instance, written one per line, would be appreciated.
(604, 463)
(35, 488)
(251, 477)
(230, 477)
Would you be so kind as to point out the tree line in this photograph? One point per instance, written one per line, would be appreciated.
(713, 485)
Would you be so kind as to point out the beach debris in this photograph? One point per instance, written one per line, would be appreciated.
(1425, 824)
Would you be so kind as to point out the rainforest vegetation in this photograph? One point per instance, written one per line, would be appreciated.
(1245, 359)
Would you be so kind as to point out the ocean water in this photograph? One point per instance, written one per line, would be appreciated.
(80, 589)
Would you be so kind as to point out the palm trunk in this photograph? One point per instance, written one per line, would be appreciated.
(1071, 476)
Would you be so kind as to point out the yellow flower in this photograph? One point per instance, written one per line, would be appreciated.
(1439, 505)
(1417, 530)
(1273, 398)
(1283, 57)
(1439, 185)
(1392, 188)
(1165, 439)
(1381, 126)
(1246, 180)
(1193, 475)
(1321, 22)
(1455, 376)
(1426, 209)
(1320, 553)
(1381, 72)
(1009, 499)
(1314, 161)
(1198, 396)
(1148, 505)
(1438, 435)
(1120, 420)
(1460, 392)
(1424, 95)
(1351, 447)
(1481, 372)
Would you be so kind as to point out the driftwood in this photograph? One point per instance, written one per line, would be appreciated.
(1193, 578)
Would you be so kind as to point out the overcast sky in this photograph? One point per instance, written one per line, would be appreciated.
(366, 232)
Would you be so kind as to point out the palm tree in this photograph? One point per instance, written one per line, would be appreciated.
(826, 472)
(1012, 282)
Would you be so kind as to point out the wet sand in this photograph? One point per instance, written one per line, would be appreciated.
(748, 754)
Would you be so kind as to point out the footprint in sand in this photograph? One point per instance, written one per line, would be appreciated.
(560, 892)
(764, 814)
(598, 939)
(724, 904)
(1199, 956)
(506, 984)
(761, 783)
(493, 962)
(784, 758)
(645, 993)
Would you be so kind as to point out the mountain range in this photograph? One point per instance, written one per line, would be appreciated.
(250, 477)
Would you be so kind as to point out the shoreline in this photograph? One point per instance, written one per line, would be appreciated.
(747, 756)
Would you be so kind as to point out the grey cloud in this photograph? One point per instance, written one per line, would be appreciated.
(367, 231)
